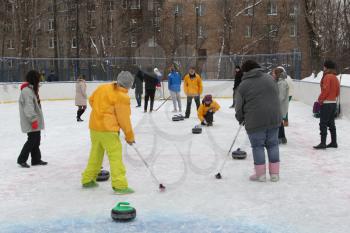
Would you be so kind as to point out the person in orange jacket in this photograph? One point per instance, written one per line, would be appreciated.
(110, 104)
(207, 109)
(330, 90)
(193, 88)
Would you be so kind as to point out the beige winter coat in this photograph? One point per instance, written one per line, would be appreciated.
(80, 93)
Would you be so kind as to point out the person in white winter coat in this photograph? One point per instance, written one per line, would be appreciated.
(280, 76)
(32, 119)
(291, 93)
(80, 97)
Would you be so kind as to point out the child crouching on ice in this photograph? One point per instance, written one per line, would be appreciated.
(110, 105)
(207, 109)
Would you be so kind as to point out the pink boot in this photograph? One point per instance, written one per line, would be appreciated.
(274, 169)
(260, 173)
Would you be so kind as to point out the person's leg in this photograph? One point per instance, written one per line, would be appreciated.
(178, 98)
(173, 98)
(36, 153)
(273, 153)
(324, 119)
(138, 98)
(331, 126)
(27, 148)
(197, 101)
(188, 106)
(209, 118)
(281, 134)
(152, 94)
(113, 147)
(257, 141)
(147, 95)
(95, 160)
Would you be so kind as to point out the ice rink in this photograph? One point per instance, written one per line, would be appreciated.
(312, 196)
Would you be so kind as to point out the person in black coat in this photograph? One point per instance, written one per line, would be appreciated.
(138, 86)
(151, 82)
(238, 79)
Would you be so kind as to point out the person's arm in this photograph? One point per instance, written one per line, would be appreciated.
(83, 89)
(216, 106)
(200, 113)
(123, 114)
(325, 89)
(28, 105)
(185, 85)
(239, 107)
(169, 81)
(200, 85)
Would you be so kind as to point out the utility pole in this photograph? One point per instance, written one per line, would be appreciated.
(55, 37)
(77, 38)
(197, 34)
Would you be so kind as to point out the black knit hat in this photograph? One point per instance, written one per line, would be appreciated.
(329, 64)
(249, 65)
(238, 67)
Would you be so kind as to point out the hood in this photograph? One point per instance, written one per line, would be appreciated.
(253, 73)
(24, 85)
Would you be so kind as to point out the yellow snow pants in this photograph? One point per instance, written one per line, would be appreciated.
(109, 142)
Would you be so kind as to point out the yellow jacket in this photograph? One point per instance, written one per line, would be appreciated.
(202, 110)
(111, 110)
(193, 87)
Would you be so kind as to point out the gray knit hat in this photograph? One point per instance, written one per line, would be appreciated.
(125, 79)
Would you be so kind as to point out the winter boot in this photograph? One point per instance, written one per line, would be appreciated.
(260, 173)
(79, 113)
(123, 191)
(90, 184)
(274, 170)
(333, 143)
(322, 145)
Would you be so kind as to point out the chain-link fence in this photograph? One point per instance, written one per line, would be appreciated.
(209, 67)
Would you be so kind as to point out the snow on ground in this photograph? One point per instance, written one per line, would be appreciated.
(345, 78)
(313, 195)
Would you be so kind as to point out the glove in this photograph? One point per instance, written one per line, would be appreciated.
(204, 122)
(130, 143)
(210, 110)
(35, 124)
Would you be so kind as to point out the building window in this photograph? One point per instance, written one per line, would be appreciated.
(133, 41)
(10, 44)
(178, 9)
(248, 31)
(74, 43)
(152, 43)
(150, 5)
(293, 8)
(272, 30)
(200, 9)
(293, 30)
(10, 63)
(135, 4)
(51, 43)
(35, 43)
(91, 6)
(92, 21)
(9, 7)
(272, 7)
(248, 7)
(110, 5)
(201, 32)
(50, 25)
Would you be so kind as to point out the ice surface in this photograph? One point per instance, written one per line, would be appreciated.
(313, 195)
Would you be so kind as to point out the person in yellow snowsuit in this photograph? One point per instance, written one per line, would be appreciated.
(110, 104)
(207, 109)
(193, 88)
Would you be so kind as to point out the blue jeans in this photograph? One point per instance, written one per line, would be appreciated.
(266, 138)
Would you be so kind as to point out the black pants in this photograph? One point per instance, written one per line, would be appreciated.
(81, 110)
(189, 103)
(149, 95)
(31, 147)
(281, 133)
(327, 120)
(209, 117)
(138, 97)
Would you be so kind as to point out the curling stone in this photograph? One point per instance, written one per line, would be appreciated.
(197, 129)
(239, 154)
(103, 175)
(123, 212)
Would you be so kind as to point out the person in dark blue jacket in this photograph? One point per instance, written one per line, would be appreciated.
(174, 86)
